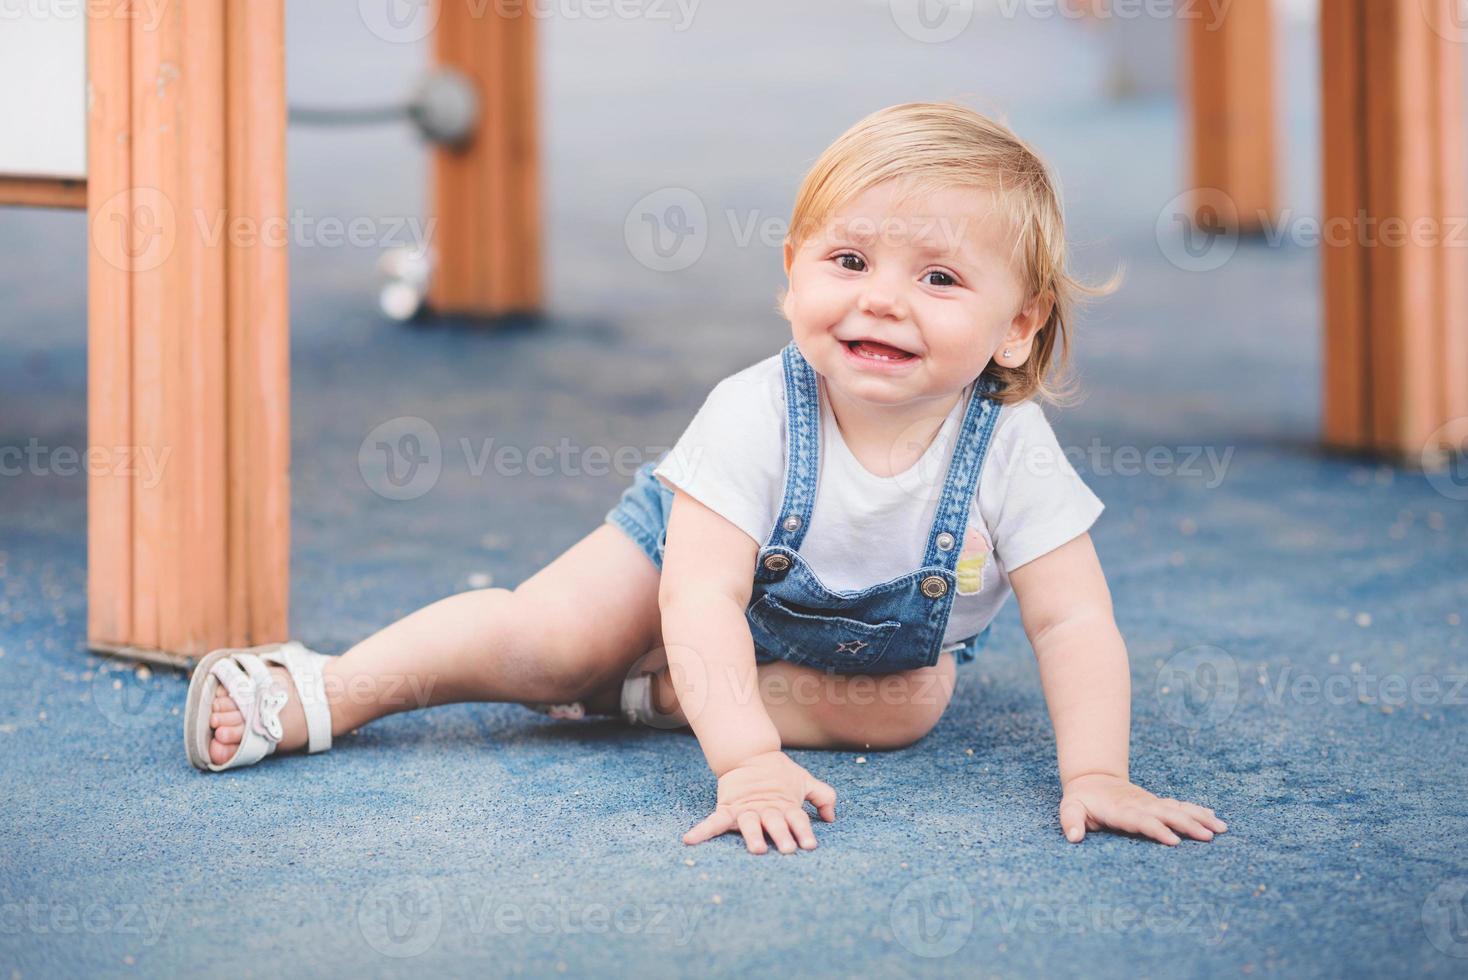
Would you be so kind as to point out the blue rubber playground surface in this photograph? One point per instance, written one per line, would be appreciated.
(1294, 618)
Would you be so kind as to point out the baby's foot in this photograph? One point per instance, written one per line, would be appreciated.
(665, 698)
(600, 703)
(228, 722)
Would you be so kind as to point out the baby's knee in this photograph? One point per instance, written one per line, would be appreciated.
(891, 711)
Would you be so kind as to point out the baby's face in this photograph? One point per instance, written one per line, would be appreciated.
(929, 282)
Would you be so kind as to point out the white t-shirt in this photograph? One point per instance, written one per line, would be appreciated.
(866, 529)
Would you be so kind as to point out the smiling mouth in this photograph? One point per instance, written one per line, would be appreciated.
(876, 351)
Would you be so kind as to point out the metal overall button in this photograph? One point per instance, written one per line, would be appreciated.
(792, 523)
(934, 587)
(777, 563)
(944, 542)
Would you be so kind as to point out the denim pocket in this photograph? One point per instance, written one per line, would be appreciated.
(818, 639)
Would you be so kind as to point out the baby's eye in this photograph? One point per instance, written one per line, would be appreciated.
(944, 278)
(841, 260)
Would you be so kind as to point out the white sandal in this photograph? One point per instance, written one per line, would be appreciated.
(636, 701)
(245, 675)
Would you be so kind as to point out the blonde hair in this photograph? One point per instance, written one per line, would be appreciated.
(938, 145)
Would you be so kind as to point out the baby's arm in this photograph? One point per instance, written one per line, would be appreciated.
(1066, 609)
(707, 580)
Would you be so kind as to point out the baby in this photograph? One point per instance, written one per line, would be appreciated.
(829, 538)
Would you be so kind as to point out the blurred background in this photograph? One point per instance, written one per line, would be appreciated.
(732, 103)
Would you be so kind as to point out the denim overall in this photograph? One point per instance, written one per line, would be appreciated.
(897, 625)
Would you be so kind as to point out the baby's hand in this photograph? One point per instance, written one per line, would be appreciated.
(1100, 802)
(765, 795)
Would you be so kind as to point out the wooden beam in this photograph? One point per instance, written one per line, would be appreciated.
(1396, 312)
(259, 351)
(43, 192)
(1230, 95)
(109, 330)
(188, 330)
(486, 194)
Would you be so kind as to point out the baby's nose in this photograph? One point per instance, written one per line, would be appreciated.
(882, 300)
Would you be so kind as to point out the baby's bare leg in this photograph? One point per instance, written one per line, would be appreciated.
(815, 710)
(812, 709)
(565, 631)
(573, 627)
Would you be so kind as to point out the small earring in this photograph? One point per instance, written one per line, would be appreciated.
(1005, 355)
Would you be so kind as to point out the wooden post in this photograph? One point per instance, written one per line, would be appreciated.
(1230, 93)
(486, 194)
(1394, 244)
(188, 520)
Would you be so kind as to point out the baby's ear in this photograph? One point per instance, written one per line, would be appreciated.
(1028, 321)
(783, 303)
(789, 256)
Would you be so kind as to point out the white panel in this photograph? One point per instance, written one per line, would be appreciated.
(43, 86)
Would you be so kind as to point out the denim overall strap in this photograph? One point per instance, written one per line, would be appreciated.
(802, 457)
(950, 521)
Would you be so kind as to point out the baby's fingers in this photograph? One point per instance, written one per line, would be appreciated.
(754, 835)
(824, 798)
(716, 823)
(1159, 831)
(1145, 823)
(1204, 816)
(779, 831)
(800, 824)
(1073, 820)
(1183, 822)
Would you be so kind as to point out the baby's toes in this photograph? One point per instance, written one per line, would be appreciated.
(230, 734)
(220, 719)
(222, 748)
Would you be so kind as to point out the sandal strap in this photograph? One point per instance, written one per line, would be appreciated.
(305, 668)
(637, 706)
(259, 699)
